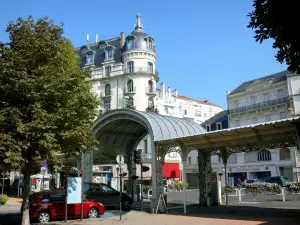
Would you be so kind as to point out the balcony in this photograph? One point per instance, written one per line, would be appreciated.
(150, 91)
(260, 105)
(141, 70)
(106, 95)
(129, 90)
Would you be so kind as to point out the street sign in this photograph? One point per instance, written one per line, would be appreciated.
(296, 170)
(180, 166)
(120, 159)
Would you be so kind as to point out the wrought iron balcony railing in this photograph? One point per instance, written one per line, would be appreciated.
(130, 90)
(150, 90)
(144, 70)
(278, 101)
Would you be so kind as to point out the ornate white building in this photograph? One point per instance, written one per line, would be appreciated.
(124, 75)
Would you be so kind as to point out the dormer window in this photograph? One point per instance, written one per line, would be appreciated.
(89, 58)
(89, 54)
(150, 44)
(109, 52)
(130, 43)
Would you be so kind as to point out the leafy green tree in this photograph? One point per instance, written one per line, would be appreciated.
(278, 20)
(46, 103)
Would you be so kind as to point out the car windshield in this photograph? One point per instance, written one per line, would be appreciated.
(107, 189)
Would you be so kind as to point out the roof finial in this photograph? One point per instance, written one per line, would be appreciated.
(138, 25)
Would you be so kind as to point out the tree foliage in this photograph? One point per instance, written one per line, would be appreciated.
(278, 20)
(46, 103)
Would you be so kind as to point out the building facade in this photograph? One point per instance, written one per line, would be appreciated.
(124, 75)
(265, 99)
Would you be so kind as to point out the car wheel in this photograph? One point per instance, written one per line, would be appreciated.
(44, 217)
(93, 213)
(125, 205)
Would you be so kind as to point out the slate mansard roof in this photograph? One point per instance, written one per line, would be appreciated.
(274, 78)
(100, 54)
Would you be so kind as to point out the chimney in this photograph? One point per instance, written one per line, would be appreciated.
(87, 38)
(97, 38)
(169, 93)
(176, 92)
(122, 36)
(162, 89)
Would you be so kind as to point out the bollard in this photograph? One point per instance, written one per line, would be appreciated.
(283, 195)
(240, 195)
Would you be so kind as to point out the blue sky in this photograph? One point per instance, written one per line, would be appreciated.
(203, 47)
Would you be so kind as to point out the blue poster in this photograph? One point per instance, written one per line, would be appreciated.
(74, 190)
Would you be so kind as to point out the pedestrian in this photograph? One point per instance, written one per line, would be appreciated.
(239, 183)
(21, 187)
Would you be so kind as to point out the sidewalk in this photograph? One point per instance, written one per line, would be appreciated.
(140, 218)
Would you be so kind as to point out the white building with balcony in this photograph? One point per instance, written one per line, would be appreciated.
(123, 75)
(262, 100)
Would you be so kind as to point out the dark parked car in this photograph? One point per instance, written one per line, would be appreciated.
(51, 205)
(278, 180)
(108, 196)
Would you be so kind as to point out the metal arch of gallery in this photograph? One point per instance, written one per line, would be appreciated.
(120, 131)
(275, 134)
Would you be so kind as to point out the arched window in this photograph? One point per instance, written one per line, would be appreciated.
(129, 102)
(285, 154)
(150, 67)
(107, 90)
(150, 44)
(150, 86)
(130, 86)
(232, 158)
(264, 155)
(150, 102)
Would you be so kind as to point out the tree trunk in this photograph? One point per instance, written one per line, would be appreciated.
(26, 193)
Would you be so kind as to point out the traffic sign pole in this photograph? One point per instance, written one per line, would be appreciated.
(142, 197)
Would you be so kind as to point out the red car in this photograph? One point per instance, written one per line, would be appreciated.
(51, 205)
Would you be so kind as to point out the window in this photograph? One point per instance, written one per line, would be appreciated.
(109, 53)
(185, 112)
(130, 66)
(189, 160)
(208, 128)
(129, 102)
(150, 102)
(219, 126)
(282, 115)
(107, 90)
(57, 197)
(130, 86)
(205, 114)
(150, 67)
(107, 189)
(106, 105)
(107, 70)
(285, 154)
(280, 93)
(252, 100)
(268, 117)
(146, 146)
(264, 155)
(198, 113)
(266, 97)
(235, 103)
(130, 43)
(89, 58)
(232, 158)
(236, 123)
(150, 44)
(174, 154)
(254, 120)
(219, 158)
(150, 86)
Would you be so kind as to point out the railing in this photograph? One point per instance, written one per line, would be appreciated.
(260, 105)
(130, 90)
(151, 91)
(106, 95)
(141, 70)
